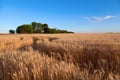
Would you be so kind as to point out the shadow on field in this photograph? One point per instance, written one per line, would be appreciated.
(46, 46)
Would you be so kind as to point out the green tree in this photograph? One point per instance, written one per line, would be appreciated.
(34, 25)
(37, 27)
(45, 28)
(25, 28)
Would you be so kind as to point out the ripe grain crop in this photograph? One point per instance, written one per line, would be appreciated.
(60, 57)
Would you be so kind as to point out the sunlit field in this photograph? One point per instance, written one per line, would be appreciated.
(60, 56)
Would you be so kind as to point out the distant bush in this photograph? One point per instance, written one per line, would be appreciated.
(12, 31)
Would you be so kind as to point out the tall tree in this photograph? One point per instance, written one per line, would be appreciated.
(45, 28)
(37, 27)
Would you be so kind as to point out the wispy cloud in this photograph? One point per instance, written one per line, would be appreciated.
(97, 19)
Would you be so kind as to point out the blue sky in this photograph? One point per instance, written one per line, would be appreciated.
(73, 15)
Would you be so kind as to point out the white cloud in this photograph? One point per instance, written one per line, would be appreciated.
(108, 17)
(98, 19)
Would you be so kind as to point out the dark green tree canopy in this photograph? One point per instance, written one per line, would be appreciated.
(25, 28)
(35, 27)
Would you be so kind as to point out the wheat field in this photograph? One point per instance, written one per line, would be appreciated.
(94, 56)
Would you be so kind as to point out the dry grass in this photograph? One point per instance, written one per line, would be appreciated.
(60, 57)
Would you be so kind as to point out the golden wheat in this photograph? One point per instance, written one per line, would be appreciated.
(60, 57)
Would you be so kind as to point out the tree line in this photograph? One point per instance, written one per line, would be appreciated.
(35, 27)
